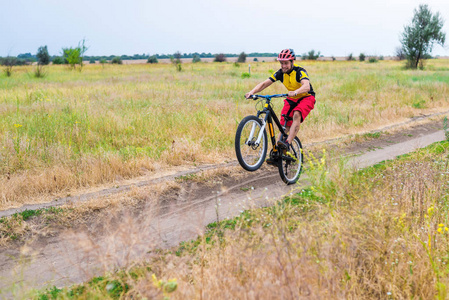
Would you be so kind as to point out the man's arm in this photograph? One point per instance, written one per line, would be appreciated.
(260, 87)
(305, 88)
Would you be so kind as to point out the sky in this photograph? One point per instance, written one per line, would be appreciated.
(111, 27)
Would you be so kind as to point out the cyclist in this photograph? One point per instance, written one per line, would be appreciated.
(301, 97)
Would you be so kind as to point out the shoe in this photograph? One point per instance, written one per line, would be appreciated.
(273, 162)
(283, 145)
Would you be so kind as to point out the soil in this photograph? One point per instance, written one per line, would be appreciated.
(109, 239)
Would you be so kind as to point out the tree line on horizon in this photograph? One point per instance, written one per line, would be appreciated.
(417, 42)
(28, 58)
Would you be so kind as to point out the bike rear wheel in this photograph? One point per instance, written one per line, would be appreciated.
(290, 164)
(250, 154)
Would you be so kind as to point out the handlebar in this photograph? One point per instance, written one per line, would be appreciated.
(255, 97)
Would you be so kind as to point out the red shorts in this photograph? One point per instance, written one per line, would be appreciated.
(304, 106)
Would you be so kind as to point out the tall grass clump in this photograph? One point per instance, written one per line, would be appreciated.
(8, 63)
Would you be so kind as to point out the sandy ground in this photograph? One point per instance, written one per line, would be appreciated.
(107, 242)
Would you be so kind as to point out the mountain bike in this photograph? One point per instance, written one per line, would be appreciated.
(251, 142)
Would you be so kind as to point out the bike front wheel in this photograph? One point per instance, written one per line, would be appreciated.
(290, 164)
(251, 143)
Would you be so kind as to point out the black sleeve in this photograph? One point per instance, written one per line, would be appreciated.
(301, 74)
(278, 75)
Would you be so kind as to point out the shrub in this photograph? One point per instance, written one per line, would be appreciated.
(255, 59)
(92, 61)
(152, 60)
(362, 57)
(333, 58)
(400, 53)
(242, 57)
(58, 60)
(372, 59)
(117, 60)
(196, 59)
(350, 57)
(220, 58)
(246, 75)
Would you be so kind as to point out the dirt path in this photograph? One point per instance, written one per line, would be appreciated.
(76, 256)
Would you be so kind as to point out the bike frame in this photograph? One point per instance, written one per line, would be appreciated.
(270, 116)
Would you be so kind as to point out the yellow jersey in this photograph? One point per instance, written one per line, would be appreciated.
(292, 80)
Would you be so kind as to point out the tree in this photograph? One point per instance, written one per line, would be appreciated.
(421, 35)
(311, 55)
(220, 57)
(362, 57)
(43, 58)
(242, 57)
(176, 60)
(58, 60)
(83, 48)
(74, 56)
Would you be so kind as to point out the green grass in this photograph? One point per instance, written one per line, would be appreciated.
(126, 118)
(187, 177)
(374, 135)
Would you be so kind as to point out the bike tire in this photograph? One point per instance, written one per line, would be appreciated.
(290, 169)
(250, 156)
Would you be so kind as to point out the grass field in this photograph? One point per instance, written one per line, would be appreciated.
(380, 233)
(77, 129)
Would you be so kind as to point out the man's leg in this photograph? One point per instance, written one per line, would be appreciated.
(287, 130)
(295, 126)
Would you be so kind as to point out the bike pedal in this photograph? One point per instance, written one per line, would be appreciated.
(291, 155)
(271, 162)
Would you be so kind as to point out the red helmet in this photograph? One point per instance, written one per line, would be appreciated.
(286, 54)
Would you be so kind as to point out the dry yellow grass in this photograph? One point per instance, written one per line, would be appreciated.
(122, 121)
(378, 233)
